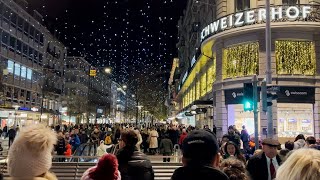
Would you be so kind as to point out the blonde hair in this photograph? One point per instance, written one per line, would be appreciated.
(301, 164)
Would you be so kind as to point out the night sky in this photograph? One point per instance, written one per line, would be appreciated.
(134, 37)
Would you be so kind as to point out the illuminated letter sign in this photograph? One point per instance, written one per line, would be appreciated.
(254, 16)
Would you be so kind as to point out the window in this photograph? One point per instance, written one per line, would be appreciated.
(5, 38)
(12, 43)
(36, 55)
(6, 13)
(240, 60)
(241, 5)
(17, 69)
(29, 73)
(41, 39)
(10, 66)
(30, 53)
(37, 36)
(26, 28)
(295, 57)
(290, 2)
(25, 49)
(20, 23)
(23, 72)
(19, 46)
(28, 95)
(13, 19)
(31, 32)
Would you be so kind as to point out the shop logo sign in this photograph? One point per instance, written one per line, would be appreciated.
(235, 95)
(299, 93)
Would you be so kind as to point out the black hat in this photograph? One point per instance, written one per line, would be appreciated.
(200, 145)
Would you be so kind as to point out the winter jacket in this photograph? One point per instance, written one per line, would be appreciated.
(198, 172)
(166, 146)
(182, 137)
(61, 146)
(68, 152)
(101, 150)
(134, 165)
(75, 142)
(84, 138)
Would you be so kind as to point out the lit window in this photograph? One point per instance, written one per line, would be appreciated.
(17, 69)
(23, 72)
(29, 74)
(10, 66)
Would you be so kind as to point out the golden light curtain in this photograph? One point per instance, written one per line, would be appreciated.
(295, 57)
(203, 84)
(197, 89)
(211, 75)
(241, 60)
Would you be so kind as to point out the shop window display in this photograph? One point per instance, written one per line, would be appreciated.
(197, 89)
(211, 73)
(294, 119)
(295, 57)
(241, 60)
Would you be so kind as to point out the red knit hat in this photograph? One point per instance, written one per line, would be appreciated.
(107, 168)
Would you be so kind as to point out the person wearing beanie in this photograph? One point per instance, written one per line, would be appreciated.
(30, 156)
(106, 169)
(200, 158)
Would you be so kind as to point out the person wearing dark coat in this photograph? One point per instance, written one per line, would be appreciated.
(60, 146)
(133, 165)
(233, 136)
(11, 134)
(166, 148)
(83, 137)
(200, 158)
(263, 166)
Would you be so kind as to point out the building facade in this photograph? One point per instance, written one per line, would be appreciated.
(119, 103)
(76, 90)
(32, 67)
(234, 42)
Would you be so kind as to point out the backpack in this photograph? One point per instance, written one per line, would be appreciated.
(108, 140)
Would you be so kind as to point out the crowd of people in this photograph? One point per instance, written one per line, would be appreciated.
(203, 156)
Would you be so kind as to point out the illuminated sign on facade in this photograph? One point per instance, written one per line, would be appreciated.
(248, 17)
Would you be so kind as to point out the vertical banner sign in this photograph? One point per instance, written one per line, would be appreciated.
(93, 72)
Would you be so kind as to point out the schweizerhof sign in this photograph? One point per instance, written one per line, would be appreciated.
(254, 16)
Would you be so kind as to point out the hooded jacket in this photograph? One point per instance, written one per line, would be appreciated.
(198, 172)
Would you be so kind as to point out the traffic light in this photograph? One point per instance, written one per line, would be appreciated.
(267, 96)
(247, 96)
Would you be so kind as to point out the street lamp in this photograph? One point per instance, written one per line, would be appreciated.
(107, 70)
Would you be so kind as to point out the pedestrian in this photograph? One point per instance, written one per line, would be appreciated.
(30, 154)
(139, 139)
(102, 149)
(106, 169)
(74, 142)
(68, 151)
(200, 159)
(299, 142)
(166, 148)
(232, 150)
(132, 163)
(83, 137)
(61, 146)
(95, 139)
(153, 141)
(182, 137)
(233, 136)
(5, 131)
(11, 134)
(245, 137)
(263, 166)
